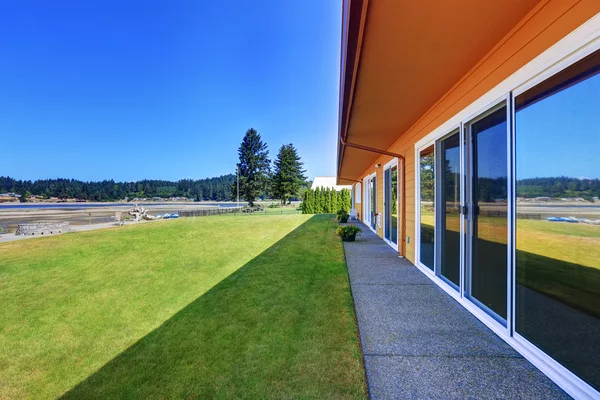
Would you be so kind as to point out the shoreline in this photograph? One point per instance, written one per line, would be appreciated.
(76, 216)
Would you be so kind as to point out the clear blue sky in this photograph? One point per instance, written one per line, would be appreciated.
(560, 135)
(164, 89)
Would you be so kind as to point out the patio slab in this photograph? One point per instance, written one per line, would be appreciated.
(419, 343)
(457, 378)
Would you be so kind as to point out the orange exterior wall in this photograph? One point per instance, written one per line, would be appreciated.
(546, 24)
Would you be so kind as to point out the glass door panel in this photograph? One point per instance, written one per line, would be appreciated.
(394, 205)
(557, 292)
(373, 202)
(449, 206)
(390, 180)
(488, 206)
(387, 182)
(427, 207)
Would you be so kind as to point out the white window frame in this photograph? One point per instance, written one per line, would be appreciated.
(575, 46)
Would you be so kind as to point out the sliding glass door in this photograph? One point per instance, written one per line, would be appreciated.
(557, 288)
(373, 201)
(427, 207)
(508, 218)
(390, 204)
(370, 201)
(487, 207)
(449, 208)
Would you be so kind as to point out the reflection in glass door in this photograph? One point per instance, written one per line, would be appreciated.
(487, 202)
(449, 224)
(390, 206)
(373, 201)
(427, 207)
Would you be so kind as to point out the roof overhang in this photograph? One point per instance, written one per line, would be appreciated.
(399, 57)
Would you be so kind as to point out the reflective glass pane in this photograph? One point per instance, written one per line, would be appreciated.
(394, 200)
(558, 217)
(387, 182)
(450, 201)
(427, 207)
(489, 202)
(374, 202)
(391, 204)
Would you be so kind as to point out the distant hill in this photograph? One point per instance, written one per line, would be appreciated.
(209, 189)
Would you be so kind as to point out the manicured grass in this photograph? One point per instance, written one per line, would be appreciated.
(192, 308)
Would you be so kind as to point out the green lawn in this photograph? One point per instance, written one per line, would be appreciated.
(224, 306)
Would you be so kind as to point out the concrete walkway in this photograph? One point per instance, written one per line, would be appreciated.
(419, 343)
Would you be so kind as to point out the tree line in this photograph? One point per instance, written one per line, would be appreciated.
(326, 201)
(209, 189)
(559, 187)
(284, 180)
(491, 189)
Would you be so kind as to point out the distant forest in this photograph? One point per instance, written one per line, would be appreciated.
(495, 189)
(210, 189)
(559, 187)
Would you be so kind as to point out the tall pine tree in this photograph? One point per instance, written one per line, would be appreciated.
(288, 176)
(254, 166)
(318, 201)
(334, 201)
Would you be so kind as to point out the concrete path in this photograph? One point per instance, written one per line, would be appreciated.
(419, 343)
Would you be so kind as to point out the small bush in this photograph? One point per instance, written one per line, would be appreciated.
(347, 231)
(343, 216)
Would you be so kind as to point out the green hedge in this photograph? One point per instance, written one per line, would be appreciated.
(326, 201)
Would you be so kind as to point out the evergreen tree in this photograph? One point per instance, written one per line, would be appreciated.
(253, 166)
(308, 202)
(346, 200)
(305, 203)
(288, 176)
(318, 201)
(328, 209)
(334, 201)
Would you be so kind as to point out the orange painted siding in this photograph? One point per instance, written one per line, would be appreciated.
(546, 24)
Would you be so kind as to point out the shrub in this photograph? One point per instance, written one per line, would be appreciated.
(348, 231)
(342, 216)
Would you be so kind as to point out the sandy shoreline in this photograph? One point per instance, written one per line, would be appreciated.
(11, 217)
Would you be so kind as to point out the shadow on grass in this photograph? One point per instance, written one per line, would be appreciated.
(281, 326)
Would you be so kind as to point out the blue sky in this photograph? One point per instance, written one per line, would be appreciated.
(128, 90)
(560, 135)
